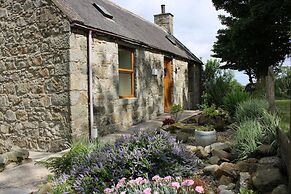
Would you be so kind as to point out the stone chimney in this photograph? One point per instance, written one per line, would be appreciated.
(165, 20)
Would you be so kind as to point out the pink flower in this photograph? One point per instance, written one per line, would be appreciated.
(123, 192)
(168, 178)
(122, 181)
(175, 185)
(156, 192)
(188, 182)
(199, 189)
(178, 178)
(131, 182)
(108, 190)
(147, 191)
(139, 181)
(156, 178)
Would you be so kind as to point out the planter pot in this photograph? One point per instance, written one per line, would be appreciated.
(205, 138)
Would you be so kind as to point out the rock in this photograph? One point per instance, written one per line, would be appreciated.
(219, 146)
(281, 189)
(222, 187)
(9, 156)
(225, 180)
(221, 154)
(265, 180)
(231, 186)
(249, 165)
(272, 161)
(227, 169)
(207, 149)
(211, 169)
(244, 180)
(21, 153)
(201, 153)
(192, 148)
(182, 137)
(214, 160)
(265, 150)
(226, 192)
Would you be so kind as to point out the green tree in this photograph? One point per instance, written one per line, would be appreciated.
(217, 83)
(256, 36)
(283, 82)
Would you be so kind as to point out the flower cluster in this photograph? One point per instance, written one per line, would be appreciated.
(157, 185)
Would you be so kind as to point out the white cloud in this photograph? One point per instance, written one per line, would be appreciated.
(195, 21)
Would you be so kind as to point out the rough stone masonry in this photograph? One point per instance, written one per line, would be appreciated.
(34, 82)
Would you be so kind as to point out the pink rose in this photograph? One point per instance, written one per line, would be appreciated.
(147, 191)
(156, 178)
(123, 192)
(122, 181)
(156, 192)
(199, 189)
(108, 190)
(175, 185)
(168, 178)
(188, 182)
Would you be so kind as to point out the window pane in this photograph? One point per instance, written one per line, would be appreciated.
(124, 84)
(124, 57)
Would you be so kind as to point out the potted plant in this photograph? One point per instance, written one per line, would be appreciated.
(205, 135)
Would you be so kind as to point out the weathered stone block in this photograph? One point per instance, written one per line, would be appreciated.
(10, 116)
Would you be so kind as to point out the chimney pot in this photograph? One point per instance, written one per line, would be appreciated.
(163, 8)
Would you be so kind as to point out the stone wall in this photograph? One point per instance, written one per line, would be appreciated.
(180, 86)
(79, 83)
(34, 81)
(112, 113)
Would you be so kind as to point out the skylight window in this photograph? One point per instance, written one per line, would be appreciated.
(171, 39)
(103, 11)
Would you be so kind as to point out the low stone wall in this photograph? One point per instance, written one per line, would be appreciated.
(285, 150)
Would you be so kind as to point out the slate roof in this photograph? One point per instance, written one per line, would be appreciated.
(124, 24)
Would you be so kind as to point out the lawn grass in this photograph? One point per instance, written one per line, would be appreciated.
(283, 107)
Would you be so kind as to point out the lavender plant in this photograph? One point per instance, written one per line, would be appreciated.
(145, 153)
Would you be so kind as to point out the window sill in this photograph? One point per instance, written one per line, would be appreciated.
(127, 101)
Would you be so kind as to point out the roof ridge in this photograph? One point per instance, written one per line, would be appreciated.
(135, 15)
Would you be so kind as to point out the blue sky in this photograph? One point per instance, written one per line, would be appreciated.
(195, 23)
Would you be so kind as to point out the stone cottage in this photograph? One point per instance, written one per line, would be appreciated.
(71, 68)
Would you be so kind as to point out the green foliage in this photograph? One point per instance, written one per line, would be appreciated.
(283, 82)
(255, 126)
(217, 83)
(204, 128)
(176, 110)
(79, 149)
(256, 34)
(212, 111)
(246, 191)
(248, 136)
(251, 109)
(232, 99)
(283, 108)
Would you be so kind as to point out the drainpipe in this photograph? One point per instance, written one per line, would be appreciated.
(93, 132)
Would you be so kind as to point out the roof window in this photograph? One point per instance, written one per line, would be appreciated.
(171, 39)
(103, 11)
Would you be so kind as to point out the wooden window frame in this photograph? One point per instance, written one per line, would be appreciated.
(128, 71)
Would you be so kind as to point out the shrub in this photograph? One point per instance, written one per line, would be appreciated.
(232, 99)
(145, 153)
(79, 149)
(168, 121)
(212, 111)
(158, 185)
(248, 136)
(251, 109)
(176, 110)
